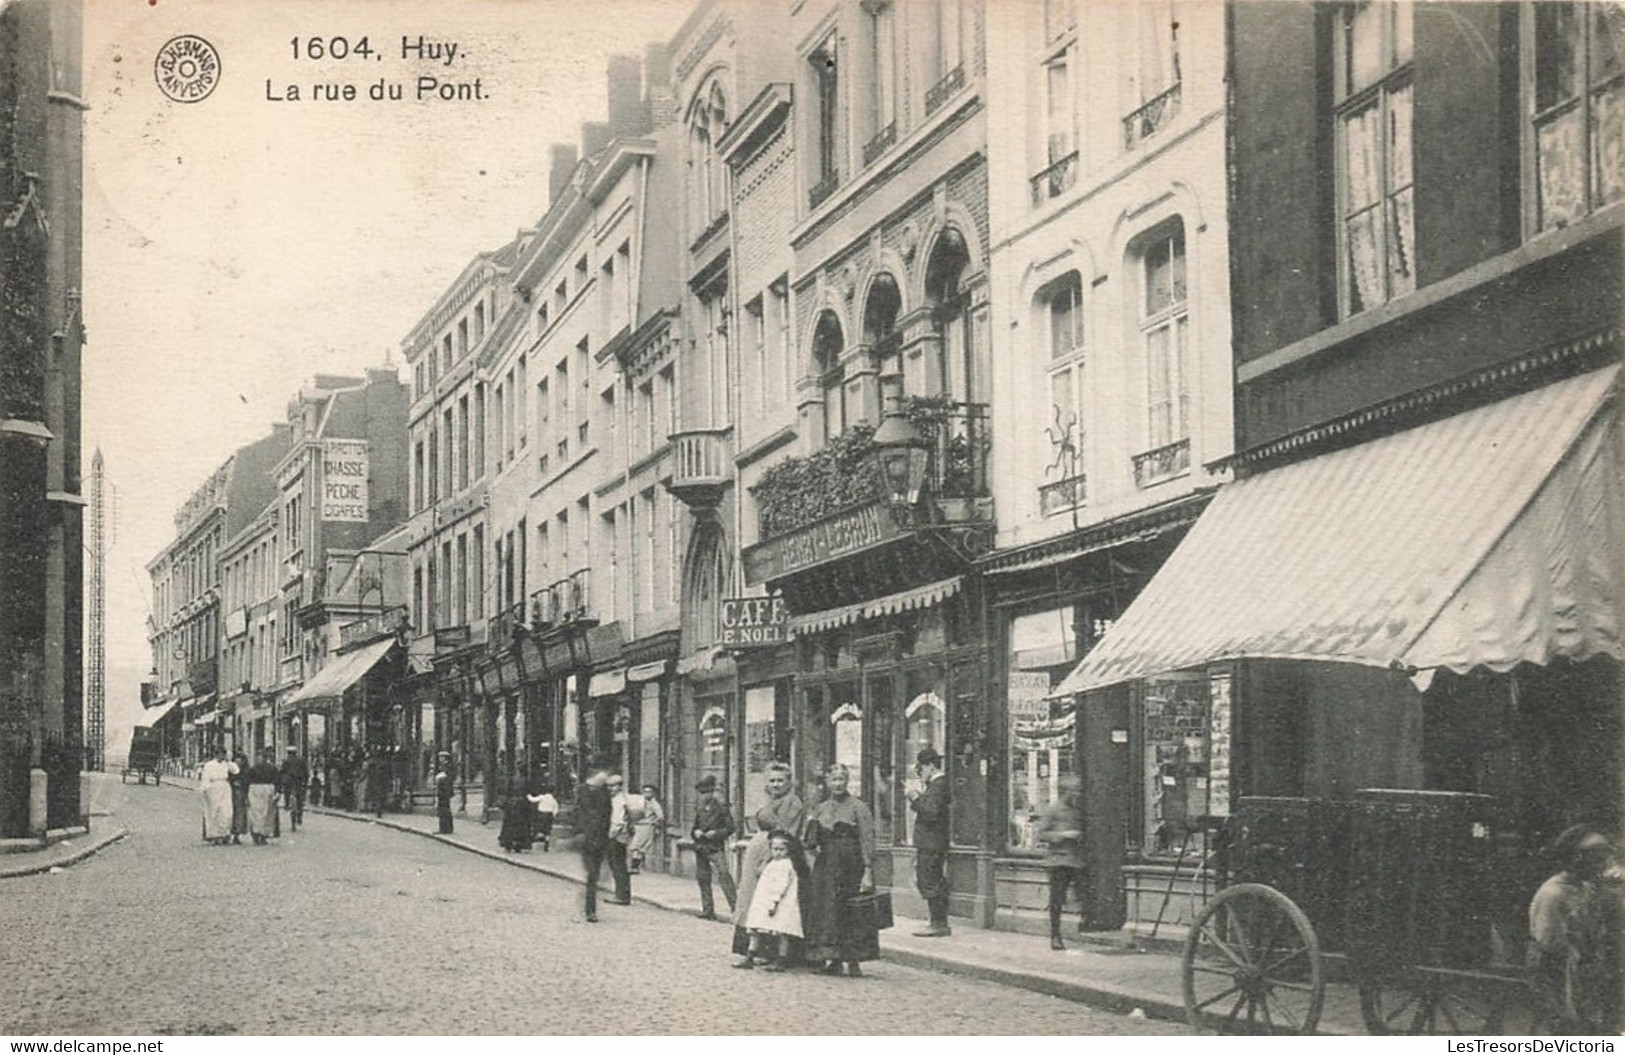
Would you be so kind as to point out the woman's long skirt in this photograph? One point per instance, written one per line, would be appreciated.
(517, 815)
(217, 810)
(261, 811)
(239, 809)
(835, 930)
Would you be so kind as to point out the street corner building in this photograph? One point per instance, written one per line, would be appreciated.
(1211, 402)
(41, 336)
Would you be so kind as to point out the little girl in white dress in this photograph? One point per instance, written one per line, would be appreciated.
(775, 907)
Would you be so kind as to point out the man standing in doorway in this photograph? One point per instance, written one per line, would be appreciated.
(929, 801)
(713, 823)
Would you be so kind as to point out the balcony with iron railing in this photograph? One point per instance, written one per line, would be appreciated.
(1055, 180)
(883, 141)
(1162, 463)
(1156, 114)
(1061, 495)
(848, 472)
(569, 600)
(944, 89)
(700, 466)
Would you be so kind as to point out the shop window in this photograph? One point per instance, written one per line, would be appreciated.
(1175, 773)
(880, 707)
(1043, 650)
(760, 747)
(1376, 229)
(1575, 82)
(713, 743)
(925, 724)
(846, 732)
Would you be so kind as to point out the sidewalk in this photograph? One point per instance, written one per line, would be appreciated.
(1117, 977)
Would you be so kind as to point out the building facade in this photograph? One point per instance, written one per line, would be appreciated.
(1112, 392)
(1419, 556)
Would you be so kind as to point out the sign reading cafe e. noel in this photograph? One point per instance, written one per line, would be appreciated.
(344, 481)
(749, 622)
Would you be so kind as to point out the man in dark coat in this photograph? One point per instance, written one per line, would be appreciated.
(444, 785)
(295, 776)
(713, 823)
(929, 801)
(592, 826)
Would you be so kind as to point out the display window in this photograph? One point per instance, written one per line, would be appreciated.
(759, 746)
(1042, 737)
(1177, 716)
(925, 724)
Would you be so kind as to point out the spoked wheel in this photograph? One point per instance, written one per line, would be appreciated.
(1440, 1003)
(1252, 965)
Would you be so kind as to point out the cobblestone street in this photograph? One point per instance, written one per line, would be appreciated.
(350, 928)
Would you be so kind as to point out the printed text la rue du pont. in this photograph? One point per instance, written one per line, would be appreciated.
(350, 54)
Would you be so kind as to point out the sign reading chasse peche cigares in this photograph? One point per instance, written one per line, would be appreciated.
(344, 481)
(750, 622)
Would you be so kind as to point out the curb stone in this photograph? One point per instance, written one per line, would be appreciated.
(97, 844)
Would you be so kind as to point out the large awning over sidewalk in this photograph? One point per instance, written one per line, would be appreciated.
(1487, 539)
(341, 672)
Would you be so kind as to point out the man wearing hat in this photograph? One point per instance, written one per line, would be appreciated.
(295, 775)
(712, 825)
(444, 784)
(929, 801)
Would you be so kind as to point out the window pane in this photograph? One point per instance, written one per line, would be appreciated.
(1365, 281)
(1404, 34)
(1556, 32)
(1156, 377)
(1061, 399)
(1158, 276)
(1559, 158)
(1607, 40)
(1608, 145)
(1362, 183)
(1364, 29)
(1182, 388)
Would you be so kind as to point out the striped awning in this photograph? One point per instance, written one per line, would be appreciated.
(1484, 540)
(153, 715)
(342, 671)
(892, 604)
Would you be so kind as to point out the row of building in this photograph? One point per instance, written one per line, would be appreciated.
(1203, 399)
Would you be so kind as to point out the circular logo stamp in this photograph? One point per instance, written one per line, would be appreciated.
(187, 69)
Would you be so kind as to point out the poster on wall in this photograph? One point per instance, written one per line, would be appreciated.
(1218, 744)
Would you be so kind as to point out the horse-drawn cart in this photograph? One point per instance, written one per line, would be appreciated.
(1416, 897)
(146, 754)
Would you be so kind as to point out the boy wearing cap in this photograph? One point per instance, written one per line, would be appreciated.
(929, 801)
(713, 823)
(443, 787)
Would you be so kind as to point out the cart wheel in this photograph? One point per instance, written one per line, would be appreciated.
(1252, 965)
(1445, 1003)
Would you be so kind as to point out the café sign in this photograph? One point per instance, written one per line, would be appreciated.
(753, 622)
(825, 540)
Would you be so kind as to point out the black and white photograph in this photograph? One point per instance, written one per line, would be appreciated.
(793, 518)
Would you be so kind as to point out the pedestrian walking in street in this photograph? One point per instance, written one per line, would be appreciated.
(215, 786)
(263, 780)
(648, 824)
(620, 836)
(547, 808)
(783, 811)
(443, 787)
(928, 798)
(713, 823)
(592, 831)
(239, 797)
(842, 831)
(1060, 829)
(517, 819)
(316, 786)
(1574, 930)
(295, 775)
(775, 907)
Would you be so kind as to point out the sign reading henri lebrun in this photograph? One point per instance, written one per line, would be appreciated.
(748, 622)
(344, 481)
(835, 536)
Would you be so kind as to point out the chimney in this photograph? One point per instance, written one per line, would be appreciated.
(595, 136)
(561, 164)
(627, 114)
(659, 98)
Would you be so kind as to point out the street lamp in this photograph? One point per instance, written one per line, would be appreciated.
(904, 456)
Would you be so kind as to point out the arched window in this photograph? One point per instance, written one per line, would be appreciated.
(951, 312)
(828, 344)
(707, 584)
(707, 121)
(881, 336)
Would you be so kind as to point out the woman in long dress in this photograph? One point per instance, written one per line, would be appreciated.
(842, 830)
(214, 783)
(785, 812)
(517, 835)
(648, 821)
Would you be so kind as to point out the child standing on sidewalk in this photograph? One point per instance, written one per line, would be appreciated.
(775, 906)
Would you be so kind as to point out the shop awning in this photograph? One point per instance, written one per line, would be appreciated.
(341, 672)
(153, 715)
(647, 671)
(904, 601)
(1487, 539)
(607, 683)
